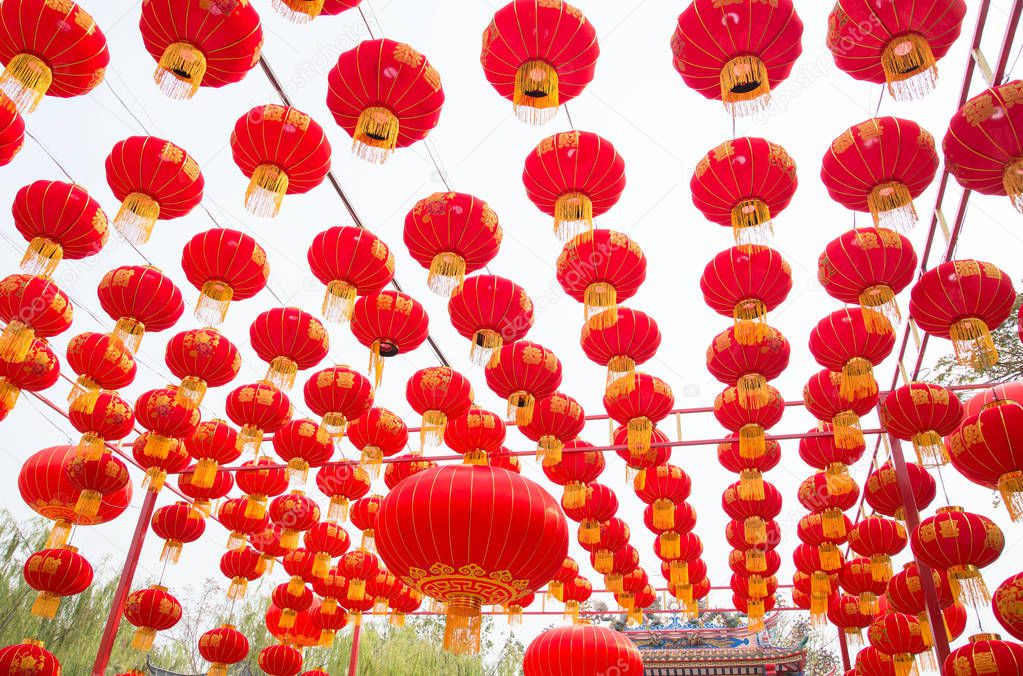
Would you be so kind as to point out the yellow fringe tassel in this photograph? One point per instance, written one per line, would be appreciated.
(973, 344)
(891, 206)
(753, 392)
(45, 605)
(600, 305)
(751, 485)
(42, 257)
(136, 217)
(520, 408)
(129, 333)
(573, 215)
(339, 301)
(267, 187)
(883, 310)
(211, 308)
(536, 99)
(750, 317)
(745, 87)
(447, 272)
(751, 441)
(25, 81)
(486, 347)
(846, 427)
(857, 379)
(16, 341)
(299, 11)
(181, 70)
(1011, 487)
(968, 586)
(1012, 181)
(376, 134)
(909, 67)
(751, 221)
(463, 626)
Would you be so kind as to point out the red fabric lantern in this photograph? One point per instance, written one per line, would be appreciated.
(881, 165)
(737, 54)
(59, 220)
(615, 564)
(378, 434)
(1005, 603)
(600, 505)
(223, 647)
(151, 610)
(490, 311)
(109, 419)
(984, 450)
(436, 393)
(600, 270)
(984, 654)
(257, 408)
(882, 492)
(201, 358)
(451, 234)
(177, 524)
(744, 183)
(303, 11)
(154, 179)
(224, 265)
(289, 340)
(101, 364)
(923, 414)
(260, 484)
(539, 55)
(662, 488)
(280, 660)
(753, 512)
(338, 394)
(821, 496)
(213, 443)
(200, 43)
(12, 132)
(872, 662)
(822, 398)
(241, 566)
(574, 176)
(857, 578)
(735, 534)
(960, 543)
(851, 342)
(139, 298)
(49, 49)
(389, 323)
(823, 453)
(203, 497)
(294, 512)
(357, 566)
(158, 468)
(748, 365)
(37, 372)
(764, 562)
(900, 636)
(385, 95)
(880, 539)
(302, 444)
(1012, 391)
(328, 541)
(475, 434)
(55, 573)
(235, 515)
(161, 412)
(342, 483)
(31, 307)
(900, 46)
(983, 143)
(29, 658)
(631, 339)
(811, 531)
(749, 421)
(745, 283)
(305, 633)
(350, 261)
(638, 402)
(95, 477)
(282, 151)
(292, 602)
(524, 373)
(636, 463)
(556, 420)
(574, 470)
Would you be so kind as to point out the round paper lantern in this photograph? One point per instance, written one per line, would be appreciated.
(744, 183)
(881, 165)
(389, 323)
(224, 265)
(748, 366)
(737, 54)
(964, 301)
(882, 493)
(539, 55)
(37, 372)
(1007, 604)
(745, 283)
(101, 364)
(385, 95)
(900, 46)
(638, 402)
(822, 398)
(222, 647)
(290, 340)
(342, 483)
(960, 543)
(923, 414)
(154, 180)
(48, 48)
(151, 610)
(451, 234)
(55, 573)
(350, 261)
(258, 409)
(984, 451)
(523, 373)
(338, 394)
(490, 311)
(32, 307)
(200, 44)
(475, 434)
(177, 524)
(556, 420)
(600, 270)
(29, 658)
(201, 358)
(139, 298)
(631, 339)
(59, 220)
(12, 132)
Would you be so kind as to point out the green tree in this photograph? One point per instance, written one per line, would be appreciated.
(947, 371)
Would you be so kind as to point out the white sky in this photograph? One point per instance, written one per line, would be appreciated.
(637, 101)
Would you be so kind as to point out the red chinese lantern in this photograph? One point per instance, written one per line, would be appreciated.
(294, 512)
(984, 654)
(638, 463)
(201, 358)
(745, 283)
(1013, 391)
(260, 484)
(905, 595)
(984, 450)
(436, 393)
(475, 434)
(338, 394)
(556, 420)
(631, 339)
(823, 578)
(55, 573)
(811, 531)
(960, 543)
(161, 412)
(38, 371)
(389, 323)
(213, 444)
(849, 343)
(151, 610)
(203, 497)
(31, 307)
(615, 564)
(268, 544)
(451, 234)
(385, 95)
(817, 495)
(223, 647)
(753, 512)
(735, 534)
(29, 658)
(748, 365)
(574, 176)
(882, 491)
(900, 46)
(224, 265)
(963, 301)
(292, 603)
(407, 601)
(749, 422)
(357, 566)
(48, 48)
(982, 146)
(923, 413)
(822, 398)
(490, 311)
(257, 408)
(328, 541)
(576, 591)
(737, 54)
(856, 577)
(868, 266)
(600, 505)
(881, 165)
(139, 298)
(304, 634)
(342, 483)
(524, 373)
(845, 612)
(879, 539)
(529, 539)
(638, 402)
(377, 434)
(900, 636)
(177, 524)
(662, 488)
(59, 220)
(12, 131)
(302, 444)
(539, 55)
(600, 270)
(613, 536)
(235, 515)
(820, 451)
(154, 180)
(569, 571)
(108, 420)
(200, 44)
(289, 340)
(872, 662)
(101, 364)
(1005, 603)
(156, 468)
(95, 477)
(282, 151)
(303, 11)
(744, 183)
(681, 572)
(755, 609)
(764, 562)
(350, 261)
(575, 469)
(241, 566)
(280, 660)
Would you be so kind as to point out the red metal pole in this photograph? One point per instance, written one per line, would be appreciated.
(353, 656)
(131, 562)
(844, 646)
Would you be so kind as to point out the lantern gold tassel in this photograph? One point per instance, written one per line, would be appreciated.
(756, 560)
(520, 408)
(298, 11)
(909, 67)
(857, 379)
(191, 392)
(603, 561)
(326, 639)
(296, 586)
(287, 620)
(573, 215)
(639, 432)
(45, 605)
(1011, 487)
(321, 565)
(171, 551)
(973, 344)
(59, 534)
(549, 449)
(432, 431)
(854, 637)
(376, 134)
(968, 586)
(129, 332)
(751, 485)
(1012, 181)
(755, 530)
(282, 372)
(371, 460)
(613, 582)
(213, 302)
(83, 394)
(556, 589)
(88, 503)
(753, 391)
(930, 449)
(204, 473)
(833, 523)
(463, 625)
(620, 367)
(831, 557)
(181, 70)
(535, 98)
(217, 669)
(16, 341)
(600, 305)
(8, 394)
(904, 664)
(572, 612)
(750, 317)
(846, 427)
(136, 217)
(891, 205)
(25, 81)
(142, 639)
(155, 478)
(880, 309)
(589, 532)
(837, 479)
(751, 221)
(881, 568)
(447, 272)
(757, 587)
(486, 346)
(751, 441)
(337, 510)
(574, 496)
(678, 572)
(868, 603)
(356, 589)
(820, 585)
(745, 87)
(267, 187)
(42, 256)
(671, 544)
(663, 513)
(338, 301)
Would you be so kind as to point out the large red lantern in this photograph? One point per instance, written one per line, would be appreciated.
(748, 365)
(964, 301)
(600, 270)
(200, 43)
(745, 283)
(638, 402)
(223, 647)
(151, 610)
(177, 524)
(857, 578)
(101, 364)
(59, 220)
(201, 358)
(524, 373)
(258, 409)
(897, 45)
(851, 342)
(451, 234)
(984, 654)
(960, 543)
(822, 398)
(357, 566)
(29, 658)
(389, 323)
(342, 483)
(744, 183)
(556, 420)
(282, 151)
(139, 298)
(983, 144)
(96, 477)
(880, 166)
(302, 444)
(737, 54)
(539, 55)
(882, 491)
(224, 265)
(923, 413)
(986, 451)
(236, 517)
(107, 420)
(527, 545)
(154, 180)
(38, 371)
(304, 634)
(338, 394)
(1007, 605)
(290, 340)
(490, 311)
(49, 48)
(581, 650)
(351, 262)
(631, 339)
(12, 132)
(880, 539)
(385, 95)
(574, 176)
(55, 573)
(749, 421)
(811, 531)
(31, 307)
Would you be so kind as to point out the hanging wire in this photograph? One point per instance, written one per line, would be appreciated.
(941, 480)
